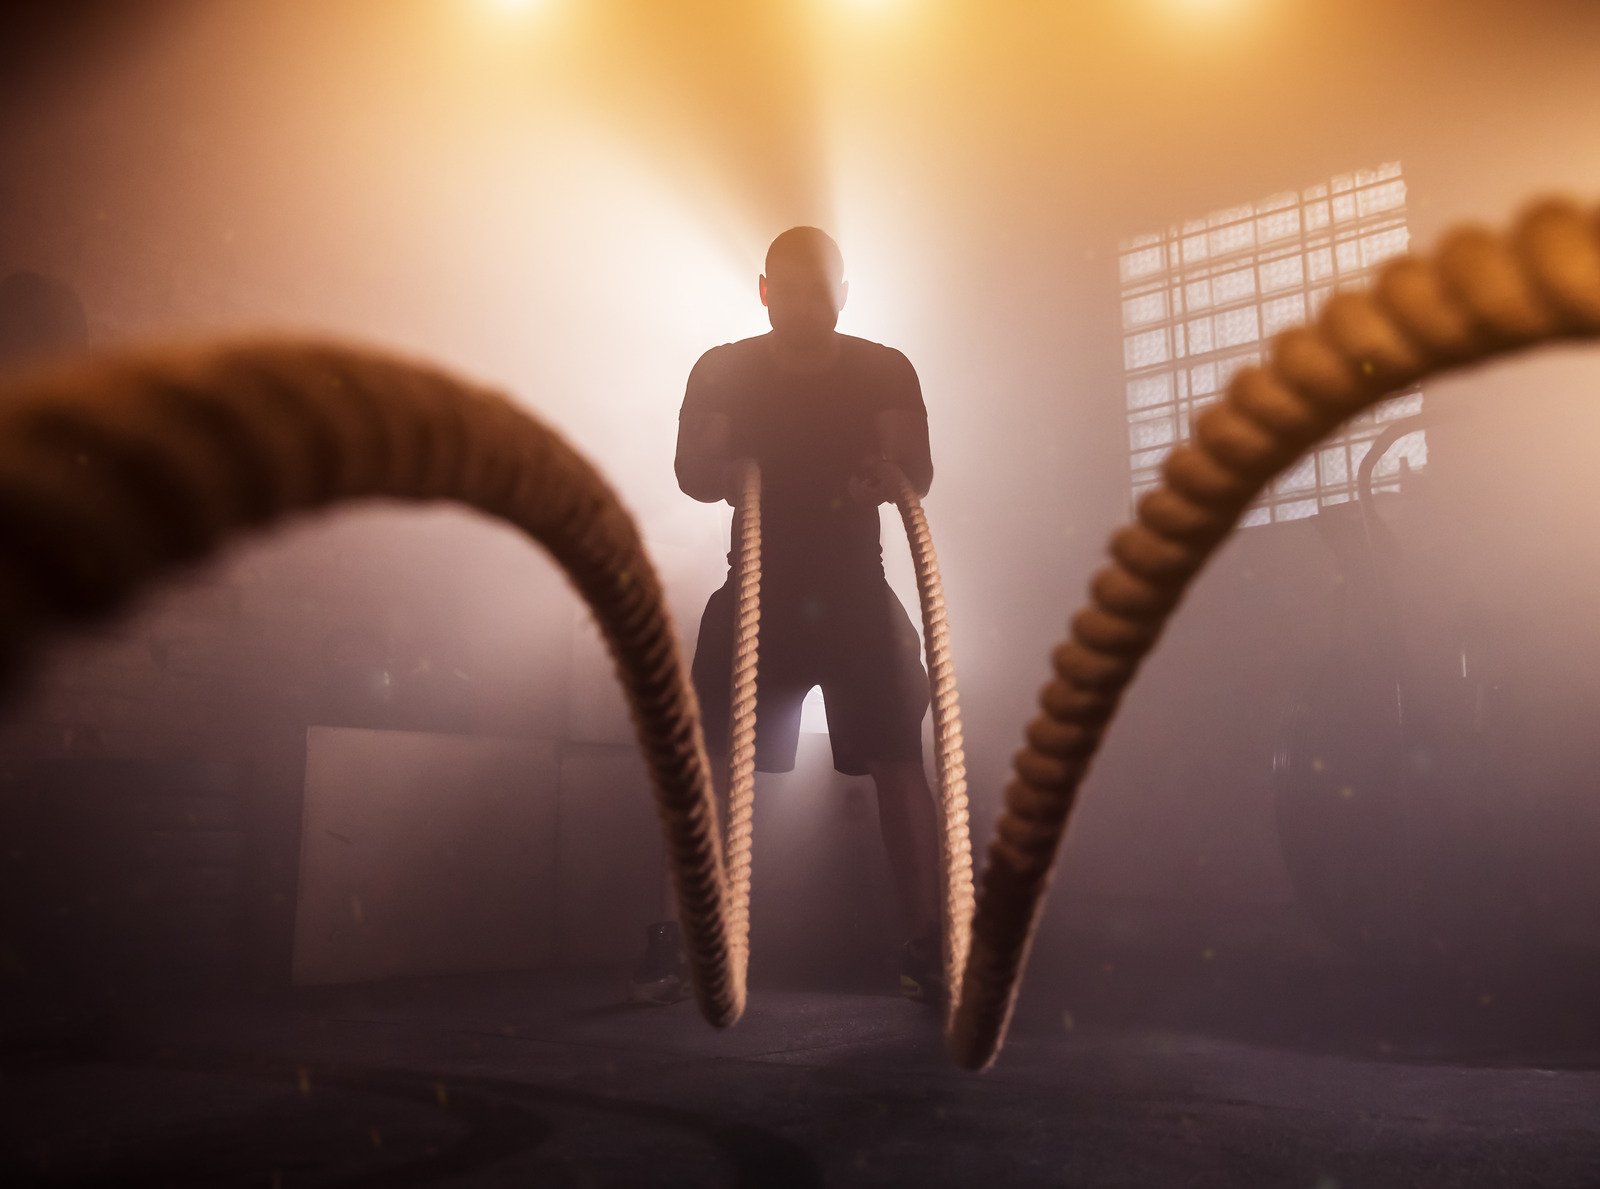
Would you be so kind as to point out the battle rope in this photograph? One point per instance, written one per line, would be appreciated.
(115, 471)
(955, 838)
(742, 737)
(1480, 295)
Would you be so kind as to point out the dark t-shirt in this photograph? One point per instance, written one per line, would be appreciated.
(808, 432)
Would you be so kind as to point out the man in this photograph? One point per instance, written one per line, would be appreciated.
(820, 413)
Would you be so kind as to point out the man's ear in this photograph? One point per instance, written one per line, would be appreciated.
(761, 288)
(842, 296)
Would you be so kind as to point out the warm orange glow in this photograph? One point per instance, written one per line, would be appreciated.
(1189, 11)
(514, 7)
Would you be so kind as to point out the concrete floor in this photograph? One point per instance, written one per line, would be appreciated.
(530, 1079)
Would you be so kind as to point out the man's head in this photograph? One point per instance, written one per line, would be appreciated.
(803, 286)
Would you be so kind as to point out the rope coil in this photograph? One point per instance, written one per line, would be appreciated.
(1479, 296)
(955, 836)
(115, 471)
(742, 738)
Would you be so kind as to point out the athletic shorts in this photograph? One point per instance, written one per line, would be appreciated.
(856, 642)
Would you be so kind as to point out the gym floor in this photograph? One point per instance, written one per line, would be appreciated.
(1223, 1073)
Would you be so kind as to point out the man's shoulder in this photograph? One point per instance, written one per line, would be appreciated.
(886, 369)
(755, 349)
(728, 360)
(875, 354)
(750, 359)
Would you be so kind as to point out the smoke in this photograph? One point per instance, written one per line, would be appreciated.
(571, 201)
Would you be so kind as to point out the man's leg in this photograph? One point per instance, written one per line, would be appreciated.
(877, 696)
(910, 825)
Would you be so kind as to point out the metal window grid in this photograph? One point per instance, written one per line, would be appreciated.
(1200, 299)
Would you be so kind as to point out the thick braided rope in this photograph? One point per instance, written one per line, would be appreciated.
(742, 746)
(113, 471)
(1480, 295)
(955, 837)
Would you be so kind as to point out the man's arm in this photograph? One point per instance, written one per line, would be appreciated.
(705, 449)
(903, 438)
(705, 432)
(901, 428)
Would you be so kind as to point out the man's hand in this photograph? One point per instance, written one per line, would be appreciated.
(874, 481)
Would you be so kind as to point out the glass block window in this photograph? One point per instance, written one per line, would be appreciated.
(1202, 299)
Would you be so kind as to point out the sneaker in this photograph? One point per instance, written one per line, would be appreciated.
(662, 976)
(922, 971)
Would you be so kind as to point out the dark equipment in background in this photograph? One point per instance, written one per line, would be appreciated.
(1394, 777)
(126, 878)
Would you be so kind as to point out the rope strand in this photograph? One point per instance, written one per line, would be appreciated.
(114, 472)
(955, 837)
(742, 748)
(1478, 297)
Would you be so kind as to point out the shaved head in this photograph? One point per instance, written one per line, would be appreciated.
(808, 247)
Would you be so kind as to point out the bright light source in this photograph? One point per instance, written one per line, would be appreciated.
(813, 713)
(1204, 8)
(512, 6)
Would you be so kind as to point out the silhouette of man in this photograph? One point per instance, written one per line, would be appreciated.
(819, 412)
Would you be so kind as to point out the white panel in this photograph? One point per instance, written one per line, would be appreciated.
(1386, 197)
(610, 869)
(1235, 238)
(1278, 225)
(1234, 286)
(1146, 349)
(1238, 326)
(1146, 433)
(1282, 312)
(1299, 477)
(1141, 264)
(1150, 390)
(1282, 274)
(1148, 307)
(423, 854)
(1381, 245)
